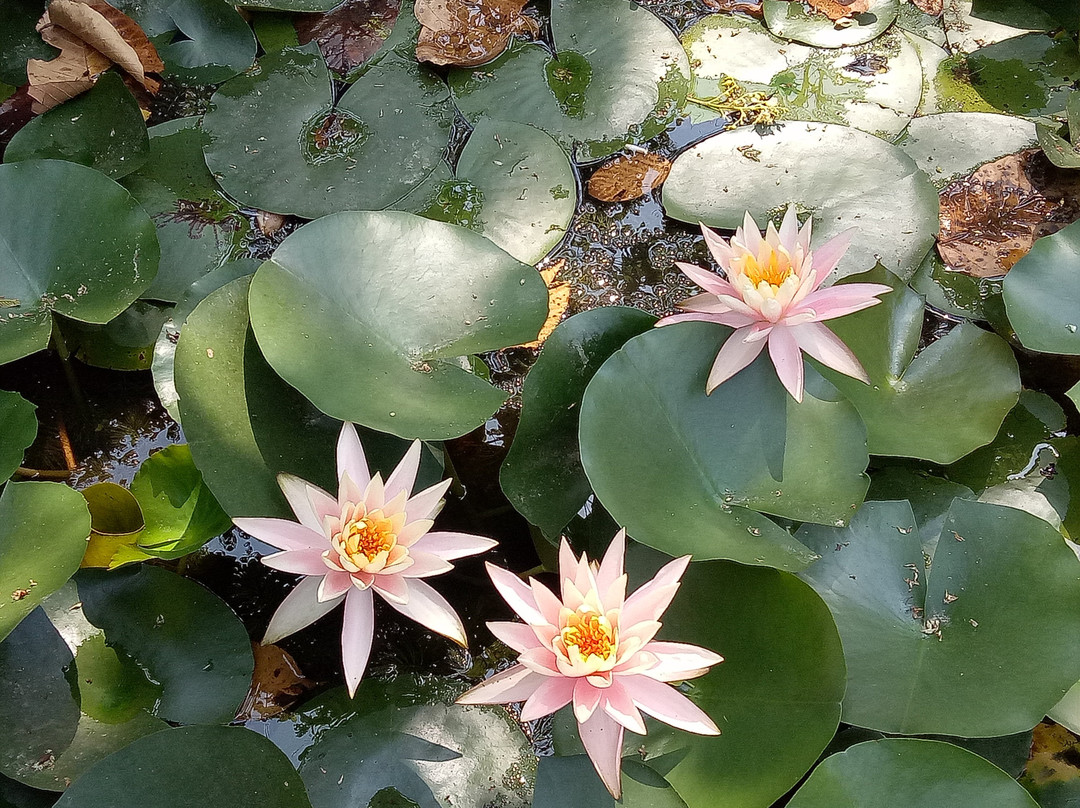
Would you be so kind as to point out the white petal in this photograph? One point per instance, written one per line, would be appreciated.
(350, 457)
(430, 609)
(356, 634)
(300, 609)
(404, 476)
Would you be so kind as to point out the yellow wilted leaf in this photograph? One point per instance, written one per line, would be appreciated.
(558, 300)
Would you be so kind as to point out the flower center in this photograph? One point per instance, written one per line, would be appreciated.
(774, 271)
(591, 635)
(363, 539)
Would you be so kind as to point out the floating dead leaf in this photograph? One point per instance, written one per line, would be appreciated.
(1055, 755)
(558, 300)
(739, 6)
(931, 7)
(468, 33)
(839, 9)
(275, 685)
(628, 177)
(268, 223)
(990, 219)
(351, 33)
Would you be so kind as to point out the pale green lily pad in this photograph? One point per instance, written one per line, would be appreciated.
(930, 497)
(931, 55)
(102, 128)
(572, 782)
(953, 144)
(1074, 395)
(124, 343)
(619, 76)
(276, 143)
(911, 402)
(211, 41)
(513, 184)
(968, 32)
(71, 241)
(909, 773)
(690, 473)
(197, 227)
(925, 635)
(845, 177)
(43, 533)
(335, 313)
(18, 428)
(955, 293)
(793, 20)
(1067, 711)
(1042, 294)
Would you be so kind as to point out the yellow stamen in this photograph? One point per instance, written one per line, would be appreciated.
(774, 272)
(591, 634)
(363, 539)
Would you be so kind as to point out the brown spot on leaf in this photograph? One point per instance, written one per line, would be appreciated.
(351, 33)
(468, 33)
(275, 685)
(628, 177)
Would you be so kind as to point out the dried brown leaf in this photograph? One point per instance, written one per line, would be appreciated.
(740, 6)
(73, 72)
(468, 33)
(1054, 755)
(839, 9)
(351, 33)
(558, 300)
(276, 684)
(931, 7)
(110, 32)
(628, 177)
(269, 223)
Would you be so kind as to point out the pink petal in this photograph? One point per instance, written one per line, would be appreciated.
(837, 301)
(425, 565)
(586, 699)
(404, 476)
(282, 533)
(300, 609)
(611, 568)
(541, 660)
(356, 633)
(453, 545)
(618, 704)
(829, 349)
(516, 593)
(678, 661)
(516, 683)
(518, 636)
(652, 598)
(334, 585)
(392, 588)
(426, 504)
(309, 502)
(718, 246)
(787, 359)
(751, 234)
(709, 281)
(375, 493)
(602, 738)
(828, 255)
(735, 354)
(546, 601)
(350, 457)
(413, 532)
(804, 234)
(667, 704)
(789, 229)
(568, 566)
(552, 694)
(690, 317)
(430, 609)
(299, 562)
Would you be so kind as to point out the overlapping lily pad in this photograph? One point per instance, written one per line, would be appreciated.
(953, 144)
(572, 782)
(909, 773)
(845, 177)
(690, 473)
(18, 428)
(618, 76)
(207, 42)
(277, 143)
(542, 473)
(75, 242)
(124, 343)
(910, 404)
(336, 314)
(513, 183)
(1042, 294)
(794, 21)
(963, 640)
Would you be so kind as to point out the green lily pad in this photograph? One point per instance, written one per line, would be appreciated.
(690, 473)
(276, 143)
(74, 242)
(1067, 711)
(1043, 15)
(930, 497)
(289, 5)
(929, 43)
(43, 533)
(344, 292)
(1061, 152)
(542, 474)
(433, 754)
(953, 144)
(513, 183)
(845, 177)
(926, 637)
(114, 511)
(793, 21)
(909, 773)
(572, 782)
(18, 428)
(187, 766)
(618, 76)
(124, 343)
(184, 636)
(15, 795)
(19, 41)
(911, 402)
(968, 32)
(102, 129)
(776, 697)
(1042, 294)
(197, 227)
(211, 41)
(955, 293)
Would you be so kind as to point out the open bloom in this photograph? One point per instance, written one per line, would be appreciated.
(772, 295)
(594, 647)
(374, 537)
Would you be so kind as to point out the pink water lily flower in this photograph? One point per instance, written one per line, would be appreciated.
(594, 647)
(375, 537)
(773, 295)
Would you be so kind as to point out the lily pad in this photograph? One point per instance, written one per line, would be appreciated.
(909, 773)
(211, 41)
(102, 129)
(18, 428)
(186, 766)
(793, 21)
(86, 251)
(290, 5)
(124, 343)
(690, 473)
(1067, 711)
(618, 76)
(197, 227)
(513, 184)
(277, 143)
(43, 533)
(542, 474)
(930, 497)
(1042, 294)
(19, 41)
(182, 635)
(911, 402)
(956, 293)
(343, 293)
(966, 641)
(969, 30)
(845, 177)
(953, 144)
(572, 782)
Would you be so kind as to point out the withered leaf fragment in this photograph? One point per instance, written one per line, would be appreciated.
(558, 300)
(931, 7)
(839, 9)
(751, 7)
(467, 33)
(628, 177)
(276, 683)
(351, 33)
